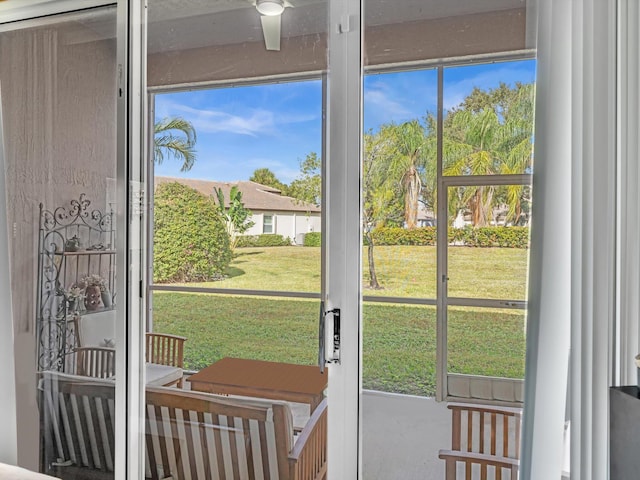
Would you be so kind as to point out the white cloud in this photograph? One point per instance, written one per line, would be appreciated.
(254, 123)
(378, 100)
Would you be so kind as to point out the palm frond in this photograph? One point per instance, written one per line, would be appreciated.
(175, 138)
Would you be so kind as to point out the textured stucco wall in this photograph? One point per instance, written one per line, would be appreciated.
(59, 108)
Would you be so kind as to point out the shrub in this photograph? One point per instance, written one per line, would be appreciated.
(264, 240)
(190, 239)
(313, 239)
(403, 236)
(511, 237)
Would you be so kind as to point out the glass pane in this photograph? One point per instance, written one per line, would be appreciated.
(488, 123)
(405, 47)
(57, 84)
(239, 88)
(487, 342)
(399, 349)
(399, 184)
(258, 150)
(488, 251)
(219, 326)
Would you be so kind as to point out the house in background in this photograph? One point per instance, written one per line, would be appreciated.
(271, 211)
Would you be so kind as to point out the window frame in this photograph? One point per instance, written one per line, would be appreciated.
(271, 224)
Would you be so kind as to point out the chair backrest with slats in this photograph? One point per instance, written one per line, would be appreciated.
(485, 442)
(486, 429)
(78, 417)
(189, 435)
(165, 349)
(192, 436)
(96, 362)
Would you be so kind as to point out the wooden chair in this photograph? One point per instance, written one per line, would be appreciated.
(165, 349)
(470, 465)
(485, 442)
(189, 435)
(96, 362)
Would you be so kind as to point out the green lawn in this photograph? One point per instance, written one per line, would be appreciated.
(403, 271)
(399, 342)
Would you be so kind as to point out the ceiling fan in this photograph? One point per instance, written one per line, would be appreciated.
(270, 17)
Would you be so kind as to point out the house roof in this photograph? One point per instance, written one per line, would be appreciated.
(254, 195)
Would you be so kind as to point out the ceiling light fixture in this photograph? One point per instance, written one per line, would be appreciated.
(270, 7)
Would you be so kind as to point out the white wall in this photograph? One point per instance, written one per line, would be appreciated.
(59, 104)
(287, 224)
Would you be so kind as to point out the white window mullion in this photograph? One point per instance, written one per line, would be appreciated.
(131, 147)
(342, 237)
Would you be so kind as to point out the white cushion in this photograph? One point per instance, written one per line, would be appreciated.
(158, 375)
(97, 329)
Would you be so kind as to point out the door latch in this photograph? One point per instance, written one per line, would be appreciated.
(334, 357)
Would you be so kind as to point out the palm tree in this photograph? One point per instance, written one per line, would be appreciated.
(408, 161)
(471, 149)
(490, 141)
(175, 137)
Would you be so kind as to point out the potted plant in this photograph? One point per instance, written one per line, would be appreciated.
(74, 298)
(94, 287)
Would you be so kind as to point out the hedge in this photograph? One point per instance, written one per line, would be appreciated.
(313, 239)
(264, 240)
(190, 240)
(509, 237)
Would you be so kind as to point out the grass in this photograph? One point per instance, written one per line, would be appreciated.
(403, 271)
(399, 341)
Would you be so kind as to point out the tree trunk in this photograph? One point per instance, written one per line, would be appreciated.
(373, 278)
(411, 196)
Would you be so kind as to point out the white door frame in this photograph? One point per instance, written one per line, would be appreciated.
(444, 301)
(342, 237)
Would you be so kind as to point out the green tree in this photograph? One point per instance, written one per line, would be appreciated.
(490, 133)
(308, 186)
(190, 239)
(264, 176)
(237, 217)
(175, 138)
(407, 162)
(378, 193)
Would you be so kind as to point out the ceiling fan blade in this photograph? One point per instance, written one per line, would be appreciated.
(271, 31)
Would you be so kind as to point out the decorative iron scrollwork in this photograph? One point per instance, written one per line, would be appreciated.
(74, 242)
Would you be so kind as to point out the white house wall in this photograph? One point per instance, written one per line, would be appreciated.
(287, 224)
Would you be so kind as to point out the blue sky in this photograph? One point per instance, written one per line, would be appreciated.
(275, 126)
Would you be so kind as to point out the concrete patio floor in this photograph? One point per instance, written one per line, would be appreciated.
(402, 436)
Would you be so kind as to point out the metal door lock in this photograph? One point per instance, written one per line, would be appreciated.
(323, 359)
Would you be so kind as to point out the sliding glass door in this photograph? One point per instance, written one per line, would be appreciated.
(63, 182)
(304, 223)
(237, 96)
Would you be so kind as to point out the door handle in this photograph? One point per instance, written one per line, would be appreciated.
(336, 339)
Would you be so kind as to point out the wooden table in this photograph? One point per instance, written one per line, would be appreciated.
(257, 378)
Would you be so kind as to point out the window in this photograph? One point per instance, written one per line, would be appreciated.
(267, 224)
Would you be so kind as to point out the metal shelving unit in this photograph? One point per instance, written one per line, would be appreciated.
(74, 243)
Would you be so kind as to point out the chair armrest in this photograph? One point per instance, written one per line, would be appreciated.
(480, 459)
(476, 407)
(309, 454)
